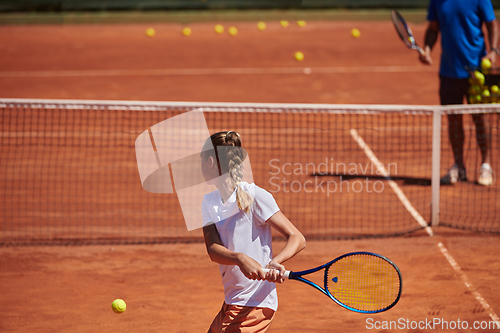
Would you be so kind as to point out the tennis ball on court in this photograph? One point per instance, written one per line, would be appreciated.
(118, 306)
(284, 24)
(219, 28)
(186, 31)
(233, 31)
(261, 26)
(299, 56)
(485, 65)
(494, 89)
(150, 32)
(355, 33)
(301, 23)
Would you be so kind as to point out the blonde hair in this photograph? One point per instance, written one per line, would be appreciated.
(230, 156)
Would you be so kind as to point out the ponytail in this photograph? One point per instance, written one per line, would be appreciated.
(230, 157)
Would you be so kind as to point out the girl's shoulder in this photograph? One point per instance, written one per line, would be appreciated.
(264, 205)
(258, 194)
(211, 197)
(254, 190)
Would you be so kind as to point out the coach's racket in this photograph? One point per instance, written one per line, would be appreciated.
(404, 31)
(360, 281)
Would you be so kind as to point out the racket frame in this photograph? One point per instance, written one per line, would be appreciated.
(298, 276)
(411, 43)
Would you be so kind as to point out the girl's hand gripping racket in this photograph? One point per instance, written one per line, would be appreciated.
(404, 31)
(363, 282)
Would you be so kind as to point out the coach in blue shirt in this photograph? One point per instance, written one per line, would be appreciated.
(463, 47)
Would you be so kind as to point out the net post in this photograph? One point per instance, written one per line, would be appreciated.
(436, 164)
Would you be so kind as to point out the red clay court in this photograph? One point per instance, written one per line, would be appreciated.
(174, 287)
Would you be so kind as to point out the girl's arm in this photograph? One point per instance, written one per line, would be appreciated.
(295, 242)
(220, 254)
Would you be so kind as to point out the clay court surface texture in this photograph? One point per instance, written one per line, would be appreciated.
(175, 287)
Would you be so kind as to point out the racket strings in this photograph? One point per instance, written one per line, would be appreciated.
(364, 282)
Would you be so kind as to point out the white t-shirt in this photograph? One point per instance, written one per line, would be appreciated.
(244, 233)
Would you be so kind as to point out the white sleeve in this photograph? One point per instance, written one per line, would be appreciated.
(264, 206)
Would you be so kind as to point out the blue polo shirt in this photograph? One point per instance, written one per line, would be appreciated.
(462, 39)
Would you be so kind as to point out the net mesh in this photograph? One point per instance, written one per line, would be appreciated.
(467, 205)
(364, 282)
(69, 172)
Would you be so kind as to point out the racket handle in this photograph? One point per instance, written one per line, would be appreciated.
(286, 275)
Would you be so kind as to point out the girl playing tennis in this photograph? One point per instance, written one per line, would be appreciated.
(237, 222)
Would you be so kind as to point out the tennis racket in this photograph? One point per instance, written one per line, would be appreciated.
(404, 31)
(362, 282)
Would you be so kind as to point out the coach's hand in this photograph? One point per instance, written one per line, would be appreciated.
(426, 58)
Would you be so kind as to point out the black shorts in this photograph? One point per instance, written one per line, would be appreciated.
(453, 91)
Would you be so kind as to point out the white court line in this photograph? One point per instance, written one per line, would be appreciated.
(469, 285)
(381, 169)
(217, 71)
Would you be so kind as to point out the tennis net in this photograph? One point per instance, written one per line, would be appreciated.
(69, 172)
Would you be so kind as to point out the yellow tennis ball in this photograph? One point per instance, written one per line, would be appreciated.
(118, 306)
(219, 29)
(301, 23)
(355, 33)
(485, 64)
(284, 24)
(299, 56)
(494, 89)
(150, 32)
(261, 26)
(186, 31)
(233, 31)
(479, 77)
